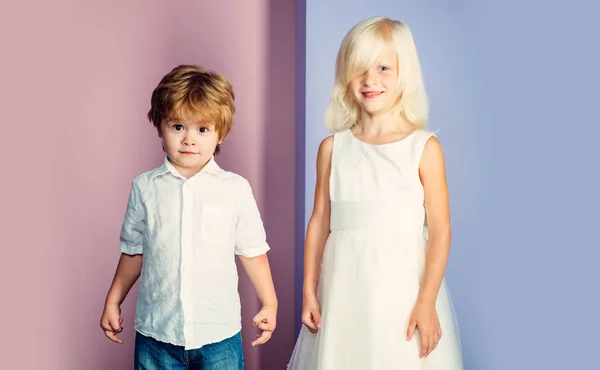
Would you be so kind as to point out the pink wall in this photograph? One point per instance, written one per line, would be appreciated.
(76, 81)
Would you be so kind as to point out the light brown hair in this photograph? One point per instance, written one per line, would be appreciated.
(192, 92)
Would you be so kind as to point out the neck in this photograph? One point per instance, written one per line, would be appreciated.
(382, 123)
(187, 172)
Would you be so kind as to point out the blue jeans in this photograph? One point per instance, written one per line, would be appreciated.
(151, 354)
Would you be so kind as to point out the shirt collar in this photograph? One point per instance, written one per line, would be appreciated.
(211, 167)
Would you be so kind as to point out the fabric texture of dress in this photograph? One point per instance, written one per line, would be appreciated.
(373, 263)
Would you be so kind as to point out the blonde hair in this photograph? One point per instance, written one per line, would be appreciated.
(362, 47)
(193, 92)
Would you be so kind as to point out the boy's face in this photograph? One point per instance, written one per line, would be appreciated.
(375, 89)
(189, 144)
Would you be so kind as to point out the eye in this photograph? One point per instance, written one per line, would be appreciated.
(177, 127)
(384, 68)
(203, 130)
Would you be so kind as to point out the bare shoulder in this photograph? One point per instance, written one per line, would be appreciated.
(433, 143)
(433, 153)
(432, 166)
(326, 145)
(325, 149)
(321, 202)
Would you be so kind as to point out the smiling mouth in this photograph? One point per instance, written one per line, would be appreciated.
(371, 94)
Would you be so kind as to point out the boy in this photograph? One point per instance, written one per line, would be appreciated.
(189, 218)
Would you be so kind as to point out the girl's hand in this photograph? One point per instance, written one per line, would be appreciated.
(424, 318)
(111, 322)
(311, 314)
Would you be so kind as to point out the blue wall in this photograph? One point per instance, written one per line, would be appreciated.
(514, 92)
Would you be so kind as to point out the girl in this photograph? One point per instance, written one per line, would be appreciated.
(374, 293)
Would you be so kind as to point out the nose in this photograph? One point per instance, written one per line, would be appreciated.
(369, 77)
(188, 139)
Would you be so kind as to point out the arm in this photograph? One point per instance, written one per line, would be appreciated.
(316, 237)
(128, 271)
(259, 272)
(251, 247)
(424, 316)
(129, 267)
(433, 176)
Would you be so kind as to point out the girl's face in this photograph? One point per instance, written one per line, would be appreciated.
(189, 145)
(375, 90)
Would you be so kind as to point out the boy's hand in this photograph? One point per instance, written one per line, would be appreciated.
(111, 322)
(265, 320)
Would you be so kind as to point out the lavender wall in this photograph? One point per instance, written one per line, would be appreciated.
(514, 90)
(76, 82)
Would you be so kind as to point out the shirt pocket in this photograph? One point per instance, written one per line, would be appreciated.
(217, 224)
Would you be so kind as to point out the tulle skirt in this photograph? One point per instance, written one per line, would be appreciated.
(367, 289)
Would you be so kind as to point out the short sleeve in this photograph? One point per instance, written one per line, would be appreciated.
(250, 236)
(132, 230)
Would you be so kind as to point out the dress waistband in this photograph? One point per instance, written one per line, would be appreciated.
(376, 215)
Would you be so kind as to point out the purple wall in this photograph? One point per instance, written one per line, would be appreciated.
(76, 83)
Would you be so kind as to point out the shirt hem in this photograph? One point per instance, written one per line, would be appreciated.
(190, 346)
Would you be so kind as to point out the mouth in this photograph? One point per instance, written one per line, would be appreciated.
(371, 94)
(188, 153)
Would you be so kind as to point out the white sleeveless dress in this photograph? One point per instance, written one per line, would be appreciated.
(372, 264)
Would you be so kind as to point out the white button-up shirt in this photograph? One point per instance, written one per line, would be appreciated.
(189, 231)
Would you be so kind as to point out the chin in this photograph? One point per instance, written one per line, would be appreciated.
(185, 162)
(373, 110)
